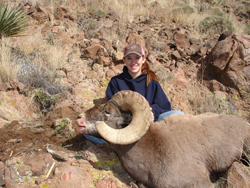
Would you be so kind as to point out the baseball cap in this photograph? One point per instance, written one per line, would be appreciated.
(133, 48)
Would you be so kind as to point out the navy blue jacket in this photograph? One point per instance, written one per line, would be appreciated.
(154, 94)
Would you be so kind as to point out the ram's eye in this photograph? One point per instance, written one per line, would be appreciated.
(106, 112)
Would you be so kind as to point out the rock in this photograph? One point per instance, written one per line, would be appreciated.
(92, 50)
(181, 40)
(66, 176)
(23, 168)
(166, 49)
(180, 80)
(2, 181)
(229, 61)
(238, 176)
(72, 16)
(57, 29)
(203, 51)
(108, 23)
(78, 36)
(216, 86)
(60, 13)
(195, 41)
(224, 35)
(194, 48)
(105, 61)
(175, 55)
(59, 155)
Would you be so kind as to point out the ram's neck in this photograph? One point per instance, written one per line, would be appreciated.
(136, 158)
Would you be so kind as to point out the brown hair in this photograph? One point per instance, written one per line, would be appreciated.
(150, 74)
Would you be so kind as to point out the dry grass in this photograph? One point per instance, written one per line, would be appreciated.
(203, 101)
(11, 109)
(10, 113)
(239, 26)
(55, 60)
(8, 68)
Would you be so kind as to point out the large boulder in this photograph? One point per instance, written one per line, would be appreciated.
(237, 176)
(229, 63)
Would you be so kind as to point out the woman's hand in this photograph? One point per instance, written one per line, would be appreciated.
(153, 117)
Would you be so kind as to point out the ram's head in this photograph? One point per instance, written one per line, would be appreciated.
(124, 119)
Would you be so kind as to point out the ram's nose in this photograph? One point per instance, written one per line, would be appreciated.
(80, 120)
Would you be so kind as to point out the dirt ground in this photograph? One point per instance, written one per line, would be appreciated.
(19, 138)
(15, 140)
(20, 142)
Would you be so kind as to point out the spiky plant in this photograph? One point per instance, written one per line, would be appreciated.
(13, 21)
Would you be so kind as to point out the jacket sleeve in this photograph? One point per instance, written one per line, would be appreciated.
(160, 103)
(112, 88)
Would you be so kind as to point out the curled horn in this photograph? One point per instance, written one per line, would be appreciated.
(135, 103)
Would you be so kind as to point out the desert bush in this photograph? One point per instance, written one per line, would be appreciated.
(216, 2)
(51, 37)
(183, 10)
(241, 7)
(44, 100)
(217, 11)
(247, 11)
(85, 24)
(247, 29)
(215, 25)
(63, 129)
(203, 7)
(16, 64)
(180, 14)
(97, 13)
(203, 101)
(13, 21)
(38, 77)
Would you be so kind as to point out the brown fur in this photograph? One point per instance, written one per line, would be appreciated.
(183, 151)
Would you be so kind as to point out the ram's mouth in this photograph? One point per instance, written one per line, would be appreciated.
(81, 129)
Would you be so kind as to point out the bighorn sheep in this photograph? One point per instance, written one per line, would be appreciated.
(180, 151)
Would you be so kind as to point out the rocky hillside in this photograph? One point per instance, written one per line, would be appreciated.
(71, 49)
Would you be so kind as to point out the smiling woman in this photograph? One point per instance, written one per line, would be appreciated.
(134, 58)
(134, 63)
(137, 76)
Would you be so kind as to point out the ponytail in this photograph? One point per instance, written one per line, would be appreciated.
(150, 74)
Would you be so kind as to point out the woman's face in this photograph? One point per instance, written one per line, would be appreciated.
(134, 63)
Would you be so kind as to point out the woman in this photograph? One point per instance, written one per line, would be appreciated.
(138, 77)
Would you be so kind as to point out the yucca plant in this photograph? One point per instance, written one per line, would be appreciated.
(13, 21)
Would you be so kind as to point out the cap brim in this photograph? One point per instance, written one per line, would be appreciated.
(133, 53)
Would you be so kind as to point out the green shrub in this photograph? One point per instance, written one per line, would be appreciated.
(91, 24)
(85, 24)
(13, 21)
(204, 7)
(218, 12)
(247, 29)
(241, 7)
(248, 11)
(97, 13)
(215, 25)
(183, 10)
(45, 101)
(216, 2)
(63, 129)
